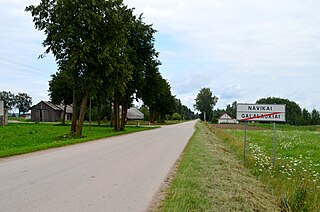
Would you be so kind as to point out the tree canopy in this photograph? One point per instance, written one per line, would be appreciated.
(108, 55)
(205, 102)
(21, 101)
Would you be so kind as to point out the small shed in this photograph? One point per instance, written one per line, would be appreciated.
(226, 119)
(46, 111)
(134, 114)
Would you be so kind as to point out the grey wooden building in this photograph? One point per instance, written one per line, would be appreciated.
(47, 112)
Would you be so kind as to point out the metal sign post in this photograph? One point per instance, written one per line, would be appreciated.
(261, 112)
(274, 144)
(245, 141)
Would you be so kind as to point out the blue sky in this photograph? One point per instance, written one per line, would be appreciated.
(242, 50)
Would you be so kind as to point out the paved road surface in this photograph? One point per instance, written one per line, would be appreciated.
(114, 174)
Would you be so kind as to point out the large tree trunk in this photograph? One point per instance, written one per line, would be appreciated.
(116, 115)
(74, 112)
(82, 114)
(111, 114)
(99, 113)
(63, 118)
(124, 115)
(152, 115)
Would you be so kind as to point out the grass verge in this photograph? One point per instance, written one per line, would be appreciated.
(19, 138)
(295, 178)
(210, 178)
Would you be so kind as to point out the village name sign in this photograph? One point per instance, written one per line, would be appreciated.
(261, 112)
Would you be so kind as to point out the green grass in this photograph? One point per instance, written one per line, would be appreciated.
(210, 178)
(295, 178)
(189, 187)
(19, 138)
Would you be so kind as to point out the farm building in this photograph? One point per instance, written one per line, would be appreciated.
(134, 114)
(226, 119)
(47, 112)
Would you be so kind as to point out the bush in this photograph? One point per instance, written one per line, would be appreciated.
(176, 116)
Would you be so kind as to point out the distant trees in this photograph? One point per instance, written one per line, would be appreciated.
(294, 114)
(205, 102)
(231, 110)
(21, 101)
(293, 110)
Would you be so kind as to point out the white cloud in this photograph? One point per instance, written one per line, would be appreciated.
(243, 50)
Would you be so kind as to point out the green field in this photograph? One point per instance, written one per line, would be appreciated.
(22, 138)
(295, 178)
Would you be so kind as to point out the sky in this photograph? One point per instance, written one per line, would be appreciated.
(242, 50)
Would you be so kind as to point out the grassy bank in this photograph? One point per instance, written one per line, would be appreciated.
(22, 138)
(295, 178)
(210, 178)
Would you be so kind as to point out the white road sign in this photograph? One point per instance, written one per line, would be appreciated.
(261, 112)
(1, 108)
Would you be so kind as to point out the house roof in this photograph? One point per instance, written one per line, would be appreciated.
(225, 116)
(134, 114)
(56, 107)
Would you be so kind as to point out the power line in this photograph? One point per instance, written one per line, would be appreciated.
(10, 65)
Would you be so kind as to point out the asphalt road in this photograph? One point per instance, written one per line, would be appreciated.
(115, 174)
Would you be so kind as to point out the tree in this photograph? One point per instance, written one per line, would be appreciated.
(315, 117)
(88, 38)
(8, 99)
(232, 109)
(176, 116)
(205, 102)
(293, 110)
(23, 102)
(306, 117)
(60, 90)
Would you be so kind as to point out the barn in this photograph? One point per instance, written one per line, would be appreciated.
(46, 111)
(226, 119)
(134, 114)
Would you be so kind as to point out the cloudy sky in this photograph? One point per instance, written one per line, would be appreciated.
(242, 50)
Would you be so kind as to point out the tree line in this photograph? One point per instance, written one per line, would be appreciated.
(295, 115)
(105, 56)
(20, 101)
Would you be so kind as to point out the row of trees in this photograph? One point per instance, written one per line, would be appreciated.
(105, 55)
(294, 114)
(21, 101)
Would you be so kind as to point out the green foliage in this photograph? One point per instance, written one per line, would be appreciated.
(176, 116)
(21, 101)
(205, 102)
(60, 88)
(232, 110)
(293, 110)
(8, 98)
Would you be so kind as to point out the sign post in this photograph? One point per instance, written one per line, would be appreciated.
(261, 112)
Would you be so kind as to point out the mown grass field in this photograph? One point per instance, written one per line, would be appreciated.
(19, 138)
(209, 177)
(295, 178)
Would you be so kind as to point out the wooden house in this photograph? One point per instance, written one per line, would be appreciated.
(226, 119)
(47, 112)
